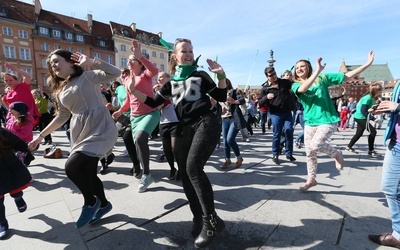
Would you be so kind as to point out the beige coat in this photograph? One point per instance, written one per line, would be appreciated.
(93, 130)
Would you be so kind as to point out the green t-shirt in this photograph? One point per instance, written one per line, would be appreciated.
(365, 100)
(317, 103)
(120, 92)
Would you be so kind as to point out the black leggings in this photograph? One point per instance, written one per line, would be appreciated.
(130, 147)
(143, 150)
(81, 169)
(171, 149)
(361, 126)
(199, 139)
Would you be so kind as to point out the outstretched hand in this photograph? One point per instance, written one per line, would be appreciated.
(136, 49)
(371, 56)
(214, 67)
(81, 59)
(12, 67)
(320, 66)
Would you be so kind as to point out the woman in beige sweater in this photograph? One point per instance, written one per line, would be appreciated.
(93, 131)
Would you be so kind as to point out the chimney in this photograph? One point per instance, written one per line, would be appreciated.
(90, 22)
(38, 8)
(133, 27)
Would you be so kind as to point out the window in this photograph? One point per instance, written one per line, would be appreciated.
(57, 47)
(162, 55)
(56, 33)
(7, 31)
(44, 63)
(162, 67)
(9, 51)
(68, 36)
(44, 31)
(97, 55)
(79, 38)
(109, 59)
(123, 62)
(123, 47)
(81, 51)
(144, 52)
(154, 54)
(70, 49)
(155, 64)
(24, 54)
(45, 46)
(102, 43)
(23, 34)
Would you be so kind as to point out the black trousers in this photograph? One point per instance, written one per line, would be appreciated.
(362, 125)
(199, 139)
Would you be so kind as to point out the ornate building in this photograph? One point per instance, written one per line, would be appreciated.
(29, 33)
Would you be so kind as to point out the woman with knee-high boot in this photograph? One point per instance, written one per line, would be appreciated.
(190, 91)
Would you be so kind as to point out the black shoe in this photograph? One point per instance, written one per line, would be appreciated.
(161, 158)
(298, 145)
(172, 174)
(110, 158)
(104, 165)
(290, 158)
(178, 176)
(21, 204)
(135, 171)
(28, 159)
(275, 159)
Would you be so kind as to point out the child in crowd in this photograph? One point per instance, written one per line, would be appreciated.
(14, 176)
(344, 113)
(21, 123)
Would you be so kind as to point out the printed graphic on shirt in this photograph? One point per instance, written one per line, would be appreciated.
(189, 89)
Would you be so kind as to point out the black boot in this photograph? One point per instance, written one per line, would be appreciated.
(211, 225)
(197, 226)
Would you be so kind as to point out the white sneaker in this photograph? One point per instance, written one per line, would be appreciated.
(144, 182)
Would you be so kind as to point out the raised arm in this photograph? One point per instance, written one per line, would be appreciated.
(26, 78)
(307, 83)
(360, 69)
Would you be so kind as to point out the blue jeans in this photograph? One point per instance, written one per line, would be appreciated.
(282, 122)
(229, 133)
(353, 122)
(391, 182)
(263, 120)
(300, 117)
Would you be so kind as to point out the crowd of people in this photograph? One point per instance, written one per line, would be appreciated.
(193, 113)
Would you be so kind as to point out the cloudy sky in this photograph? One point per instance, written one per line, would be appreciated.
(242, 33)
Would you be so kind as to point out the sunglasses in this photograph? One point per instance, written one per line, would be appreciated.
(272, 74)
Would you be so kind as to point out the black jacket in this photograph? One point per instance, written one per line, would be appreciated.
(284, 98)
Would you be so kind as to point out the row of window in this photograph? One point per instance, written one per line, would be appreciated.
(7, 31)
(57, 34)
(124, 63)
(10, 52)
(144, 52)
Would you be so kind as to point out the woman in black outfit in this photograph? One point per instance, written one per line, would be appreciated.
(189, 90)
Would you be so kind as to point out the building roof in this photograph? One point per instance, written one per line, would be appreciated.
(374, 73)
(17, 11)
(132, 32)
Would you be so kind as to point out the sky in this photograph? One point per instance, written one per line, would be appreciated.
(242, 33)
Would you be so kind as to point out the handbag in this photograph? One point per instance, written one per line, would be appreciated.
(53, 152)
